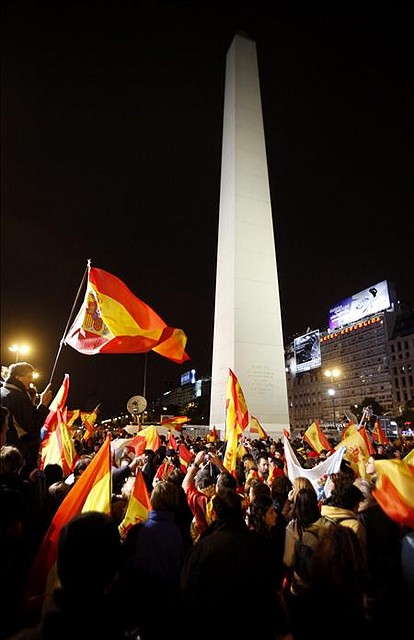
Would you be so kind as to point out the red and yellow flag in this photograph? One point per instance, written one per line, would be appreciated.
(139, 505)
(177, 422)
(91, 492)
(316, 438)
(349, 430)
(72, 415)
(88, 421)
(356, 452)
(113, 320)
(185, 457)
(147, 438)
(58, 447)
(256, 427)
(394, 490)
(378, 434)
(237, 415)
(230, 455)
(364, 434)
(409, 458)
(58, 403)
(212, 435)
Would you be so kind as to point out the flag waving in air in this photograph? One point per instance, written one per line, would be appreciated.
(58, 403)
(139, 505)
(91, 492)
(177, 422)
(88, 422)
(394, 490)
(316, 438)
(237, 415)
(237, 419)
(113, 320)
(59, 447)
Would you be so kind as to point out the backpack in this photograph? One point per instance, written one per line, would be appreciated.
(304, 549)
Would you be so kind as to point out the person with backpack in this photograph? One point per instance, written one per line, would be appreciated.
(301, 535)
(342, 506)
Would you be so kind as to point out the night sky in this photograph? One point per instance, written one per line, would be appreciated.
(111, 151)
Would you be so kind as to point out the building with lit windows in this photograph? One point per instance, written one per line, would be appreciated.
(372, 355)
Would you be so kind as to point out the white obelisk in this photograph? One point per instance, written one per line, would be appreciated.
(247, 336)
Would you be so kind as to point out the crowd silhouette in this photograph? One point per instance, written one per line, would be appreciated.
(220, 555)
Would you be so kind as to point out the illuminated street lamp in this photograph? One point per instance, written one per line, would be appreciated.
(332, 374)
(19, 350)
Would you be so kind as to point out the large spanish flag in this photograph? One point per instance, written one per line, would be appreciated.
(394, 490)
(91, 492)
(113, 320)
(237, 415)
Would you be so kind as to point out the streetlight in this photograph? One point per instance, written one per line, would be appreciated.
(332, 374)
(19, 350)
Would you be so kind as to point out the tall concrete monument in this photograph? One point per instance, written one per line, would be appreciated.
(247, 336)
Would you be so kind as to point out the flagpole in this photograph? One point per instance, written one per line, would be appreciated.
(69, 320)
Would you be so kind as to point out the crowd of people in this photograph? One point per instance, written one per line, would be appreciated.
(221, 555)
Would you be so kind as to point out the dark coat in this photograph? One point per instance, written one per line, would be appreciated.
(227, 567)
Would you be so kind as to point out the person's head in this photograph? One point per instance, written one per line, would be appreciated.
(148, 456)
(227, 505)
(306, 509)
(164, 496)
(301, 482)
(262, 514)
(80, 465)
(205, 482)
(345, 495)
(280, 487)
(23, 372)
(263, 465)
(225, 480)
(249, 462)
(82, 569)
(257, 489)
(11, 459)
(366, 487)
(53, 473)
(58, 492)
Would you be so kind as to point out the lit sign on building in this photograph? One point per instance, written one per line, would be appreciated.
(189, 377)
(362, 304)
(307, 350)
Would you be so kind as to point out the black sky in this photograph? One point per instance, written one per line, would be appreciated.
(111, 150)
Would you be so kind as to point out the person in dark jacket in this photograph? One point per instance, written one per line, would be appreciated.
(153, 554)
(28, 414)
(228, 562)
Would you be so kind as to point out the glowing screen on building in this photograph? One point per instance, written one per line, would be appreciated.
(307, 350)
(362, 304)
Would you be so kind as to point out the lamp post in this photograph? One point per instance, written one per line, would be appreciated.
(19, 350)
(332, 374)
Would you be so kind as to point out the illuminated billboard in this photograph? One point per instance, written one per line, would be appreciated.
(362, 304)
(189, 377)
(307, 350)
